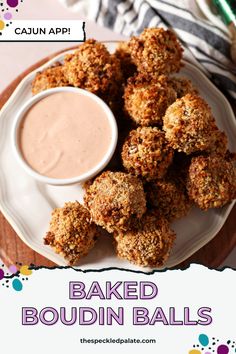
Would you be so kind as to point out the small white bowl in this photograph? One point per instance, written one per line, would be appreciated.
(65, 181)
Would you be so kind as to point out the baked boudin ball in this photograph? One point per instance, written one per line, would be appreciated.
(169, 196)
(189, 125)
(156, 51)
(148, 243)
(71, 233)
(147, 99)
(182, 86)
(211, 181)
(49, 78)
(114, 199)
(93, 68)
(146, 153)
(128, 67)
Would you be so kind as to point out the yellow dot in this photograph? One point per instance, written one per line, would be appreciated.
(2, 25)
(25, 270)
(194, 351)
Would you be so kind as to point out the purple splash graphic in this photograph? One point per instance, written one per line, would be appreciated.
(222, 349)
(1, 274)
(12, 3)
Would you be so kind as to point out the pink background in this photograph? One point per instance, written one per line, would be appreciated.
(16, 57)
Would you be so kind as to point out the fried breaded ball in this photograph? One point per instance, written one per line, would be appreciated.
(182, 86)
(146, 153)
(147, 99)
(211, 181)
(148, 243)
(49, 78)
(156, 51)
(220, 143)
(189, 125)
(71, 233)
(169, 196)
(128, 67)
(114, 199)
(93, 68)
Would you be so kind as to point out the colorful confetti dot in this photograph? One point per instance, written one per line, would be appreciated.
(25, 270)
(12, 3)
(207, 353)
(2, 25)
(17, 285)
(194, 351)
(13, 269)
(203, 340)
(1, 274)
(7, 16)
(222, 349)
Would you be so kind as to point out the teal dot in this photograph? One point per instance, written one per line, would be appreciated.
(203, 339)
(17, 285)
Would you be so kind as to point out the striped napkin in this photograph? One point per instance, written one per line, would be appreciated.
(206, 45)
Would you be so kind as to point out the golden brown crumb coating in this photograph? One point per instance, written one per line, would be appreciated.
(148, 243)
(220, 143)
(156, 51)
(211, 181)
(114, 199)
(93, 68)
(189, 125)
(71, 233)
(146, 99)
(146, 153)
(49, 78)
(169, 196)
(182, 86)
(128, 67)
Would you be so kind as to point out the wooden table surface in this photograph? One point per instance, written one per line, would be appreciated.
(13, 250)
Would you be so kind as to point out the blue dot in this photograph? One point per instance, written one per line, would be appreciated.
(203, 339)
(17, 285)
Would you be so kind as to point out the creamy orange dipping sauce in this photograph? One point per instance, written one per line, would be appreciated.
(64, 135)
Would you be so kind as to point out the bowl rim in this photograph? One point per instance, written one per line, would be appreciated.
(63, 181)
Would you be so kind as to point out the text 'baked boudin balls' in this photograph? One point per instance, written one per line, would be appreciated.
(49, 78)
(169, 197)
(147, 99)
(71, 234)
(92, 67)
(148, 244)
(114, 199)
(156, 51)
(189, 125)
(211, 181)
(146, 153)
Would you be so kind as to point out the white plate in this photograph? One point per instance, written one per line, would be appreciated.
(27, 204)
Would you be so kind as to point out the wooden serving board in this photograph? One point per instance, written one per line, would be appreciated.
(13, 250)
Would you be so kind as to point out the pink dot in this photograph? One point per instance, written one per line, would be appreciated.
(13, 269)
(7, 16)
